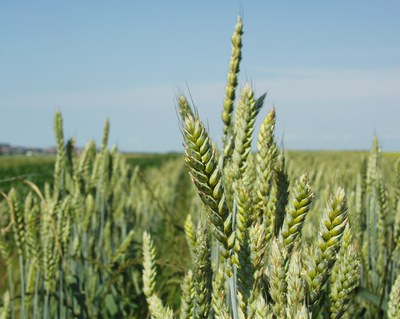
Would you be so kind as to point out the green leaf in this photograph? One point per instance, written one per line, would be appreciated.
(371, 297)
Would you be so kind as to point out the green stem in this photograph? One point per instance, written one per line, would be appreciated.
(21, 268)
(61, 294)
(35, 299)
(46, 306)
(11, 289)
(233, 294)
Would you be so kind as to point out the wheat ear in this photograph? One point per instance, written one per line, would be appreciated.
(232, 80)
(394, 300)
(206, 175)
(156, 308)
(329, 240)
(299, 206)
(344, 278)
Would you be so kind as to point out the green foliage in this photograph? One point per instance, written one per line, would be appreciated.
(78, 239)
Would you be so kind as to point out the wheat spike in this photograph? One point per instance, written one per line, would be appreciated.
(394, 300)
(187, 298)
(299, 206)
(202, 276)
(344, 278)
(203, 167)
(321, 261)
(232, 80)
(295, 297)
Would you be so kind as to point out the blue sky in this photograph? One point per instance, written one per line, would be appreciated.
(331, 68)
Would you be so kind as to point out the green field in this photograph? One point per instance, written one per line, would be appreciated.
(157, 197)
(39, 169)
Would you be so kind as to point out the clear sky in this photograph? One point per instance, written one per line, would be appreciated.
(331, 68)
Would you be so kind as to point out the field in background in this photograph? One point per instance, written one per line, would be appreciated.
(147, 192)
(39, 169)
(339, 165)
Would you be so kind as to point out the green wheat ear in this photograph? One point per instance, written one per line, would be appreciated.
(149, 265)
(277, 278)
(19, 227)
(187, 297)
(202, 275)
(299, 206)
(266, 157)
(191, 236)
(184, 108)
(232, 81)
(106, 133)
(320, 262)
(206, 175)
(247, 110)
(59, 171)
(220, 307)
(156, 308)
(295, 287)
(394, 301)
(344, 278)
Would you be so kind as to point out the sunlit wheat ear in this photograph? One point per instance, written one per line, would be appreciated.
(372, 165)
(319, 264)
(296, 212)
(262, 309)
(277, 278)
(32, 215)
(302, 313)
(187, 297)
(357, 216)
(81, 174)
(149, 265)
(190, 233)
(106, 133)
(184, 108)
(242, 255)
(221, 310)
(266, 157)
(18, 217)
(206, 175)
(202, 276)
(246, 113)
(295, 297)
(232, 80)
(258, 249)
(59, 172)
(394, 300)
(344, 278)
(156, 308)
(382, 230)
(250, 175)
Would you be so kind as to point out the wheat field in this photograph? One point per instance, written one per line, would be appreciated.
(246, 230)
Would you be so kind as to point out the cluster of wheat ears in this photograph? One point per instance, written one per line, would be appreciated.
(249, 260)
(78, 241)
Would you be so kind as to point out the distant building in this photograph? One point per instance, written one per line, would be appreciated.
(7, 149)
